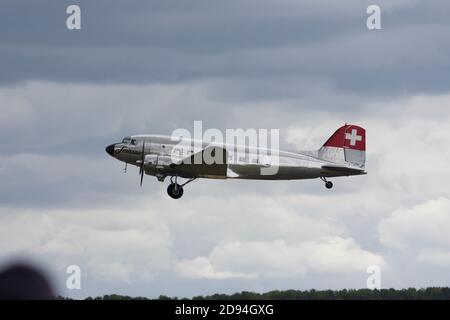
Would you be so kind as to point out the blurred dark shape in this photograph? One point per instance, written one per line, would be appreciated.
(24, 282)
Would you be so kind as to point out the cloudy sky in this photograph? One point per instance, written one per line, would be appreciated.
(301, 66)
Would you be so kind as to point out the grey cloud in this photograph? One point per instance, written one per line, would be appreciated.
(159, 42)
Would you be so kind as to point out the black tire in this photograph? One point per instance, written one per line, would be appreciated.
(328, 184)
(175, 193)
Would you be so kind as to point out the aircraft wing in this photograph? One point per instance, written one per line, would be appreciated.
(207, 163)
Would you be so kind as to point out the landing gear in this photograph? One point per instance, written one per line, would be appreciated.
(328, 184)
(175, 190)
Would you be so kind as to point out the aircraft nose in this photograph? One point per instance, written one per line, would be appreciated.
(110, 150)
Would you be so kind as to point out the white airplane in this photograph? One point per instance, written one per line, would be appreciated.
(343, 154)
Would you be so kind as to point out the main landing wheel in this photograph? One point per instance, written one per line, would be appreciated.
(328, 184)
(175, 191)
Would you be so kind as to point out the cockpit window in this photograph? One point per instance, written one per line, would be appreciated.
(126, 140)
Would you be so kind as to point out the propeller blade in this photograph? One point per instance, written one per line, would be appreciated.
(141, 168)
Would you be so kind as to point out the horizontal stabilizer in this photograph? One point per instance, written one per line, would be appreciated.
(343, 169)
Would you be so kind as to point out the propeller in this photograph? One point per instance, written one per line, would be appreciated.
(141, 168)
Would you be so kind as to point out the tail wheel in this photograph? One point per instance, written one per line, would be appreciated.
(328, 184)
(175, 191)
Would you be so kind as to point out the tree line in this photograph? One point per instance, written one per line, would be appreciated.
(432, 293)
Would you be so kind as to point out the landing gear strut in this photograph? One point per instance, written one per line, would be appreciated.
(328, 184)
(175, 190)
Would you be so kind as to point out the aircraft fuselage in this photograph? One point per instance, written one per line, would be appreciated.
(343, 154)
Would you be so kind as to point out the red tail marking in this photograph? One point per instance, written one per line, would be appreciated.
(348, 137)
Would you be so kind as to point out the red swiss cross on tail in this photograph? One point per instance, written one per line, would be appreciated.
(348, 137)
(347, 146)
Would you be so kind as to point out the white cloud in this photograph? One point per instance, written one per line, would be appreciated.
(123, 245)
(435, 257)
(424, 224)
(330, 255)
(111, 245)
(421, 229)
(250, 216)
(406, 148)
(201, 267)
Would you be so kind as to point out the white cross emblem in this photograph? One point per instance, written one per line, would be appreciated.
(353, 137)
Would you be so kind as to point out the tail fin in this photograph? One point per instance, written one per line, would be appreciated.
(347, 145)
